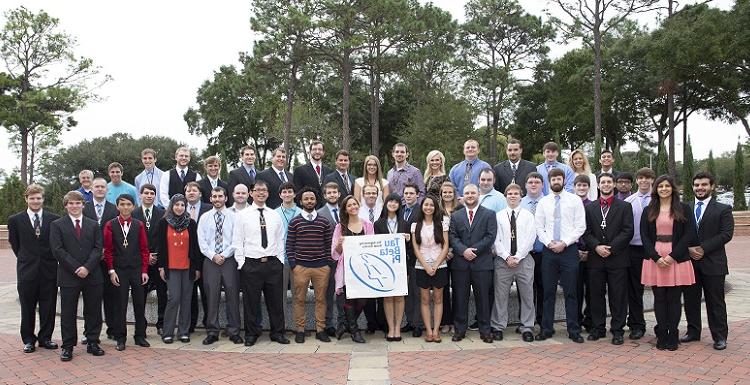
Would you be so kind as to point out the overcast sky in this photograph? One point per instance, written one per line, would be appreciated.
(159, 54)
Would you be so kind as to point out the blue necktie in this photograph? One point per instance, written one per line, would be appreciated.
(182, 175)
(336, 215)
(407, 213)
(698, 209)
(556, 229)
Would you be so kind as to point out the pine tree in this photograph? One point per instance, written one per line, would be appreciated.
(740, 204)
(711, 168)
(662, 165)
(688, 170)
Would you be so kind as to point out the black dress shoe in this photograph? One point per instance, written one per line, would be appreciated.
(593, 337)
(93, 348)
(720, 345)
(407, 328)
(417, 332)
(250, 340)
(672, 347)
(184, 338)
(47, 344)
(322, 336)
(474, 326)
(210, 339)
(636, 334)
(458, 337)
(486, 338)
(167, 340)
(527, 337)
(84, 340)
(299, 337)
(497, 335)
(120, 346)
(689, 338)
(330, 331)
(29, 348)
(618, 340)
(280, 338)
(576, 337)
(543, 336)
(66, 354)
(141, 341)
(236, 339)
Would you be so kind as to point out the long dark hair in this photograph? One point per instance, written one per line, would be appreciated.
(675, 210)
(437, 221)
(391, 197)
(344, 216)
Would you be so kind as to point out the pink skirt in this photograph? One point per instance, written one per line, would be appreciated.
(678, 274)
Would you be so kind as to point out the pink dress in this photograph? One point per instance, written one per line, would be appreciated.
(678, 274)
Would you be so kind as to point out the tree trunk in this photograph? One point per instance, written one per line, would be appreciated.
(597, 77)
(670, 112)
(24, 154)
(375, 110)
(346, 74)
(289, 110)
(32, 157)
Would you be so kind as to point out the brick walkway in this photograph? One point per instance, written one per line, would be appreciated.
(512, 361)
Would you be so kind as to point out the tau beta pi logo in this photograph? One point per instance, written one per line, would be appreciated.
(373, 271)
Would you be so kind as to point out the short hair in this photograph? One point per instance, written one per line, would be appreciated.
(219, 189)
(192, 184)
(307, 189)
(705, 175)
(286, 186)
(147, 151)
(513, 186)
(645, 172)
(315, 143)
(181, 149)
(365, 187)
(534, 175)
(472, 140)
(412, 185)
(99, 179)
(488, 170)
(471, 185)
(278, 150)
(605, 151)
(552, 146)
(555, 172)
(259, 183)
(344, 153)
(331, 186)
(125, 197)
(399, 144)
(87, 172)
(71, 196)
(625, 175)
(582, 178)
(33, 189)
(147, 186)
(607, 175)
(212, 160)
(247, 147)
(114, 165)
(514, 141)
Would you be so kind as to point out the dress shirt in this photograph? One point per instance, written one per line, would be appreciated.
(197, 206)
(703, 208)
(458, 172)
(336, 217)
(306, 215)
(246, 236)
(622, 196)
(88, 195)
(250, 171)
(114, 191)
(277, 172)
(235, 210)
(108, 248)
(636, 202)
(570, 176)
(213, 182)
(286, 214)
(573, 218)
(525, 233)
(153, 177)
(399, 177)
(364, 213)
(31, 216)
(164, 185)
(80, 220)
(493, 200)
(207, 233)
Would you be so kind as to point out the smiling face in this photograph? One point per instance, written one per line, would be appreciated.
(582, 189)
(218, 199)
(664, 189)
(534, 186)
(248, 157)
(183, 158)
(85, 179)
(471, 149)
(393, 206)
(428, 206)
(372, 168)
(342, 163)
(148, 161)
(370, 194)
(399, 154)
(435, 164)
(99, 189)
(471, 194)
(332, 195)
(702, 188)
(447, 194)
(309, 200)
(606, 186)
(35, 202)
(240, 194)
(260, 195)
(578, 161)
(212, 169)
(178, 208)
(115, 175)
(556, 183)
(287, 196)
(606, 160)
(316, 152)
(74, 208)
(279, 160)
(352, 208)
(514, 197)
(550, 156)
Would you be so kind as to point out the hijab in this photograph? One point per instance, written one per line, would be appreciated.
(178, 222)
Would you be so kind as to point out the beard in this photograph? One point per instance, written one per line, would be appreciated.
(557, 187)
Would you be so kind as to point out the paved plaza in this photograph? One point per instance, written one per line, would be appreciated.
(411, 361)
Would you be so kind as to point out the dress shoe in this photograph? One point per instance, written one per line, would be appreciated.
(191, 329)
(527, 337)
(210, 339)
(672, 347)
(167, 340)
(458, 337)
(47, 344)
(370, 331)
(636, 334)
(250, 340)
(497, 335)
(330, 331)
(543, 336)
(236, 339)
(280, 338)
(417, 332)
(576, 337)
(299, 337)
(689, 338)
(618, 339)
(141, 341)
(120, 346)
(486, 338)
(407, 328)
(29, 348)
(474, 326)
(66, 354)
(93, 348)
(185, 338)
(160, 331)
(84, 340)
(111, 337)
(720, 345)
(322, 337)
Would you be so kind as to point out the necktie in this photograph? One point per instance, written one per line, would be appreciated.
(214, 182)
(148, 215)
(644, 201)
(467, 174)
(407, 213)
(99, 212)
(513, 238)
(219, 238)
(515, 169)
(317, 170)
(192, 212)
(372, 216)
(282, 176)
(37, 225)
(533, 206)
(263, 233)
(605, 208)
(336, 215)
(309, 217)
(549, 166)
(251, 172)
(471, 217)
(558, 220)
(346, 183)
(698, 209)
(78, 228)
(182, 175)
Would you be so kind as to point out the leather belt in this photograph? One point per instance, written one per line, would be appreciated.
(664, 238)
(262, 259)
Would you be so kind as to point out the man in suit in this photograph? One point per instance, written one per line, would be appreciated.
(312, 174)
(551, 151)
(330, 211)
(36, 269)
(245, 174)
(341, 176)
(76, 243)
(607, 161)
(472, 233)
(609, 229)
(196, 208)
(513, 170)
(275, 176)
(715, 225)
(212, 165)
(100, 210)
(173, 181)
(150, 214)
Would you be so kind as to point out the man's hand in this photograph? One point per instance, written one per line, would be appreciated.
(197, 276)
(82, 272)
(218, 259)
(557, 247)
(512, 262)
(144, 278)
(470, 253)
(696, 252)
(162, 274)
(583, 256)
(603, 250)
(114, 278)
(152, 259)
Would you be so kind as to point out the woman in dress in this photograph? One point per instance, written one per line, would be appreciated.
(391, 222)
(372, 175)
(429, 234)
(580, 165)
(434, 174)
(179, 261)
(448, 204)
(667, 229)
(349, 225)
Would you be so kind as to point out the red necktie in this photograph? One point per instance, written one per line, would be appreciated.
(317, 170)
(471, 217)
(78, 228)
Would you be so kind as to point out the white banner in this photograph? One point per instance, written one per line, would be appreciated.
(375, 266)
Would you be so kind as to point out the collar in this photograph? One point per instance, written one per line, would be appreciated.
(642, 195)
(149, 171)
(178, 168)
(608, 171)
(277, 170)
(314, 163)
(705, 201)
(256, 207)
(144, 208)
(124, 220)
(74, 219)
(305, 214)
(332, 207)
(87, 190)
(534, 198)
(606, 201)
(397, 168)
(196, 204)
(512, 162)
(103, 202)
(212, 179)
(470, 161)
(248, 168)
(31, 213)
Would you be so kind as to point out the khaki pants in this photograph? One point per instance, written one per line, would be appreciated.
(301, 277)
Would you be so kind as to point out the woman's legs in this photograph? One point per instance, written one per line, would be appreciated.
(398, 315)
(437, 308)
(425, 307)
(389, 316)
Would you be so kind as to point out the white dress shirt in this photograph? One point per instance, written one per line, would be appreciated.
(525, 233)
(31, 216)
(573, 218)
(246, 238)
(207, 233)
(164, 185)
(364, 213)
(703, 208)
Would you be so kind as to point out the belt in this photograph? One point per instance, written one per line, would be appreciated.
(664, 238)
(262, 259)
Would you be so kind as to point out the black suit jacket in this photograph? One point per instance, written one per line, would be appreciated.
(206, 188)
(34, 260)
(151, 228)
(110, 212)
(480, 234)
(240, 176)
(305, 176)
(334, 176)
(72, 252)
(194, 253)
(618, 233)
(273, 181)
(204, 208)
(504, 174)
(715, 230)
(683, 235)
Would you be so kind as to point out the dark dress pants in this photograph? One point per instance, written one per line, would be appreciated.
(111, 301)
(130, 286)
(198, 286)
(447, 300)
(583, 293)
(92, 313)
(560, 268)
(538, 287)
(266, 278)
(44, 293)
(479, 283)
(712, 288)
(156, 283)
(608, 283)
(636, 321)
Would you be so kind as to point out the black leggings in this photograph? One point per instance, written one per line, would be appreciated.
(668, 310)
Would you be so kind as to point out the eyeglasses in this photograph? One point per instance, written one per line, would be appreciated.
(260, 190)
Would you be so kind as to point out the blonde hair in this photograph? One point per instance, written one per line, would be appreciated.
(586, 167)
(431, 155)
(366, 175)
(33, 189)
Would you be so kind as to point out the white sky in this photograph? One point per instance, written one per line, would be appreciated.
(159, 54)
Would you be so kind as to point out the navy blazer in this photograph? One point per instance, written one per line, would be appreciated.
(683, 235)
(73, 252)
(34, 260)
(480, 235)
(715, 230)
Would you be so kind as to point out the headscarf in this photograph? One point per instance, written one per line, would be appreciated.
(178, 222)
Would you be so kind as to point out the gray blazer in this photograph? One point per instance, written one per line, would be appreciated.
(480, 235)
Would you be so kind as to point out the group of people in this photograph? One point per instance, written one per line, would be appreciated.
(472, 229)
